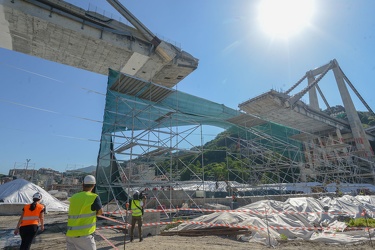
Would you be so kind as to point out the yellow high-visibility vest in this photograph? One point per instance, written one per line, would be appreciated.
(81, 219)
(136, 208)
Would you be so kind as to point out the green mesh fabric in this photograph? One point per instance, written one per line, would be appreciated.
(176, 109)
(135, 105)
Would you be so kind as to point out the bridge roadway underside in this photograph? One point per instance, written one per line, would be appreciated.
(61, 32)
(272, 106)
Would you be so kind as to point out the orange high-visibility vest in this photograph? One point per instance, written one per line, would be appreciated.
(31, 217)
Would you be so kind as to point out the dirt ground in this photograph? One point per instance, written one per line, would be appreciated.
(55, 226)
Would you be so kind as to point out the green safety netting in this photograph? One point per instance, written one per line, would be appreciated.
(175, 108)
(134, 104)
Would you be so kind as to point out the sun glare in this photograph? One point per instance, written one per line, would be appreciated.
(284, 18)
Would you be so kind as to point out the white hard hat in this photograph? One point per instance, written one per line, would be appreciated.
(89, 179)
(37, 196)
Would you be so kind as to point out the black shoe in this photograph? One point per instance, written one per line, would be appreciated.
(141, 239)
(131, 239)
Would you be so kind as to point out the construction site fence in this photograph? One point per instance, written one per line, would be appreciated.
(250, 227)
(326, 231)
(255, 212)
(255, 228)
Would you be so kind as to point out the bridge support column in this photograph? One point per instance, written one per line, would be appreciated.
(313, 96)
(359, 135)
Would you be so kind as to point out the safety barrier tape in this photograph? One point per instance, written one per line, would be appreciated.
(110, 219)
(106, 240)
(327, 234)
(175, 210)
(123, 225)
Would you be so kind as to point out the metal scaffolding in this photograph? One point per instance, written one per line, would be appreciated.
(153, 140)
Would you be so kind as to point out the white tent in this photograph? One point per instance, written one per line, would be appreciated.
(20, 191)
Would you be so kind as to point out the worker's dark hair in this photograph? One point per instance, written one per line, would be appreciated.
(88, 186)
(33, 205)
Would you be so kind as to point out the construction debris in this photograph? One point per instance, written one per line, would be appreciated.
(270, 221)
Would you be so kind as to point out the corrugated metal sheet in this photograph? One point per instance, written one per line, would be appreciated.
(144, 90)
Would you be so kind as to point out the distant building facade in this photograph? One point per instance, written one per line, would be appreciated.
(48, 179)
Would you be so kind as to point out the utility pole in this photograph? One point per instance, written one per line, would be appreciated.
(27, 163)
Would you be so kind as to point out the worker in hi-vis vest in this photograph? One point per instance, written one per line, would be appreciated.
(83, 209)
(136, 206)
(28, 224)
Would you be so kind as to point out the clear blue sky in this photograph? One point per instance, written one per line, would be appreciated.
(52, 113)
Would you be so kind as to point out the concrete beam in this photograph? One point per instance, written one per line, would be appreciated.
(272, 107)
(61, 32)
